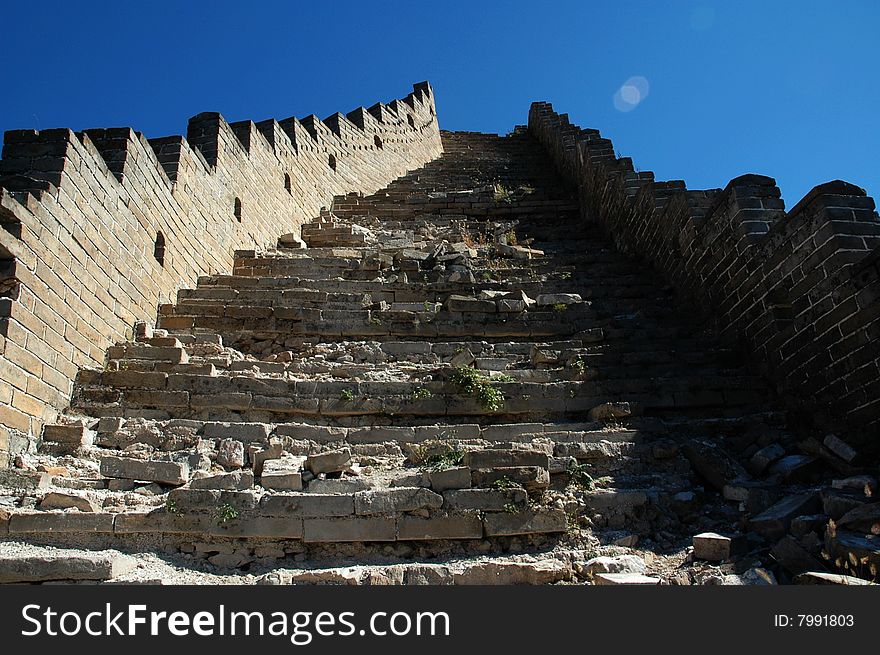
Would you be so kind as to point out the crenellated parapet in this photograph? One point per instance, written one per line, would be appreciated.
(101, 226)
(799, 289)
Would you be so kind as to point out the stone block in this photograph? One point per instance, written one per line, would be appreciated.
(395, 499)
(487, 500)
(329, 530)
(451, 478)
(258, 455)
(762, 459)
(532, 478)
(339, 486)
(18, 569)
(494, 458)
(75, 434)
(775, 521)
(549, 299)
(331, 461)
(58, 500)
(166, 472)
(209, 500)
(62, 522)
(609, 579)
(282, 475)
(236, 481)
(307, 505)
(440, 526)
(525, 522)
(713, 547)
(456, 303)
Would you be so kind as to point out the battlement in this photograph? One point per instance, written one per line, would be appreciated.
(798, 288)
(101, 226)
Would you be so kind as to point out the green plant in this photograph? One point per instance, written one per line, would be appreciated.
(171, 506)
(502, 194)
(346, 396)
(579, 475)
(511, 508)
(448, 458)
(504, 483)
(510, 235)
(470, 382)
(225, 513)
(421, 393)
(565, 275)
(579, 365)
(560, 307)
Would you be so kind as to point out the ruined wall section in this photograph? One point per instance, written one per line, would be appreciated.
(101, 226)
(798, 289)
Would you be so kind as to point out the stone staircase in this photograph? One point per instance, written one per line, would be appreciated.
(456, 368)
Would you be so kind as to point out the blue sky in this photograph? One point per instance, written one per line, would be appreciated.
(787, 89)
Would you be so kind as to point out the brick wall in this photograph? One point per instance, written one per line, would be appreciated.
(798, 289)
(88, 216)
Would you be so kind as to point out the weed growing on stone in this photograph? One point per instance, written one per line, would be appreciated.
(579, 474)
(346, 396)
(511, 508)
(226, 513)
(171, 507)
(560, 307)
(421, 394)
(504, 484)
(440, 461)
(470, 382)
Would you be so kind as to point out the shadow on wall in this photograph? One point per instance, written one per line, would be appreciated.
(800, 288)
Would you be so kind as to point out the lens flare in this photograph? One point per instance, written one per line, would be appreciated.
(631, 93)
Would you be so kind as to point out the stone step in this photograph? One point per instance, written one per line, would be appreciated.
(36, 565)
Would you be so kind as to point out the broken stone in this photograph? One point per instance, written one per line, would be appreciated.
(173, 473)
(57, 500)
(867, 484)
(713, 464)
(548, 299)
(796, 468)
(774, 522)
(259, 455)
(533, 479)
(823, 578)
(463, 358)
(793, 557)
(762, 459)
(618, 564)
(865, 518)
(840, 448)
(331, 461)
(230, 454)
(624, 579)
(282, 475)
(712, 547)
(236, 481)
(610, 411)
(396, 499)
